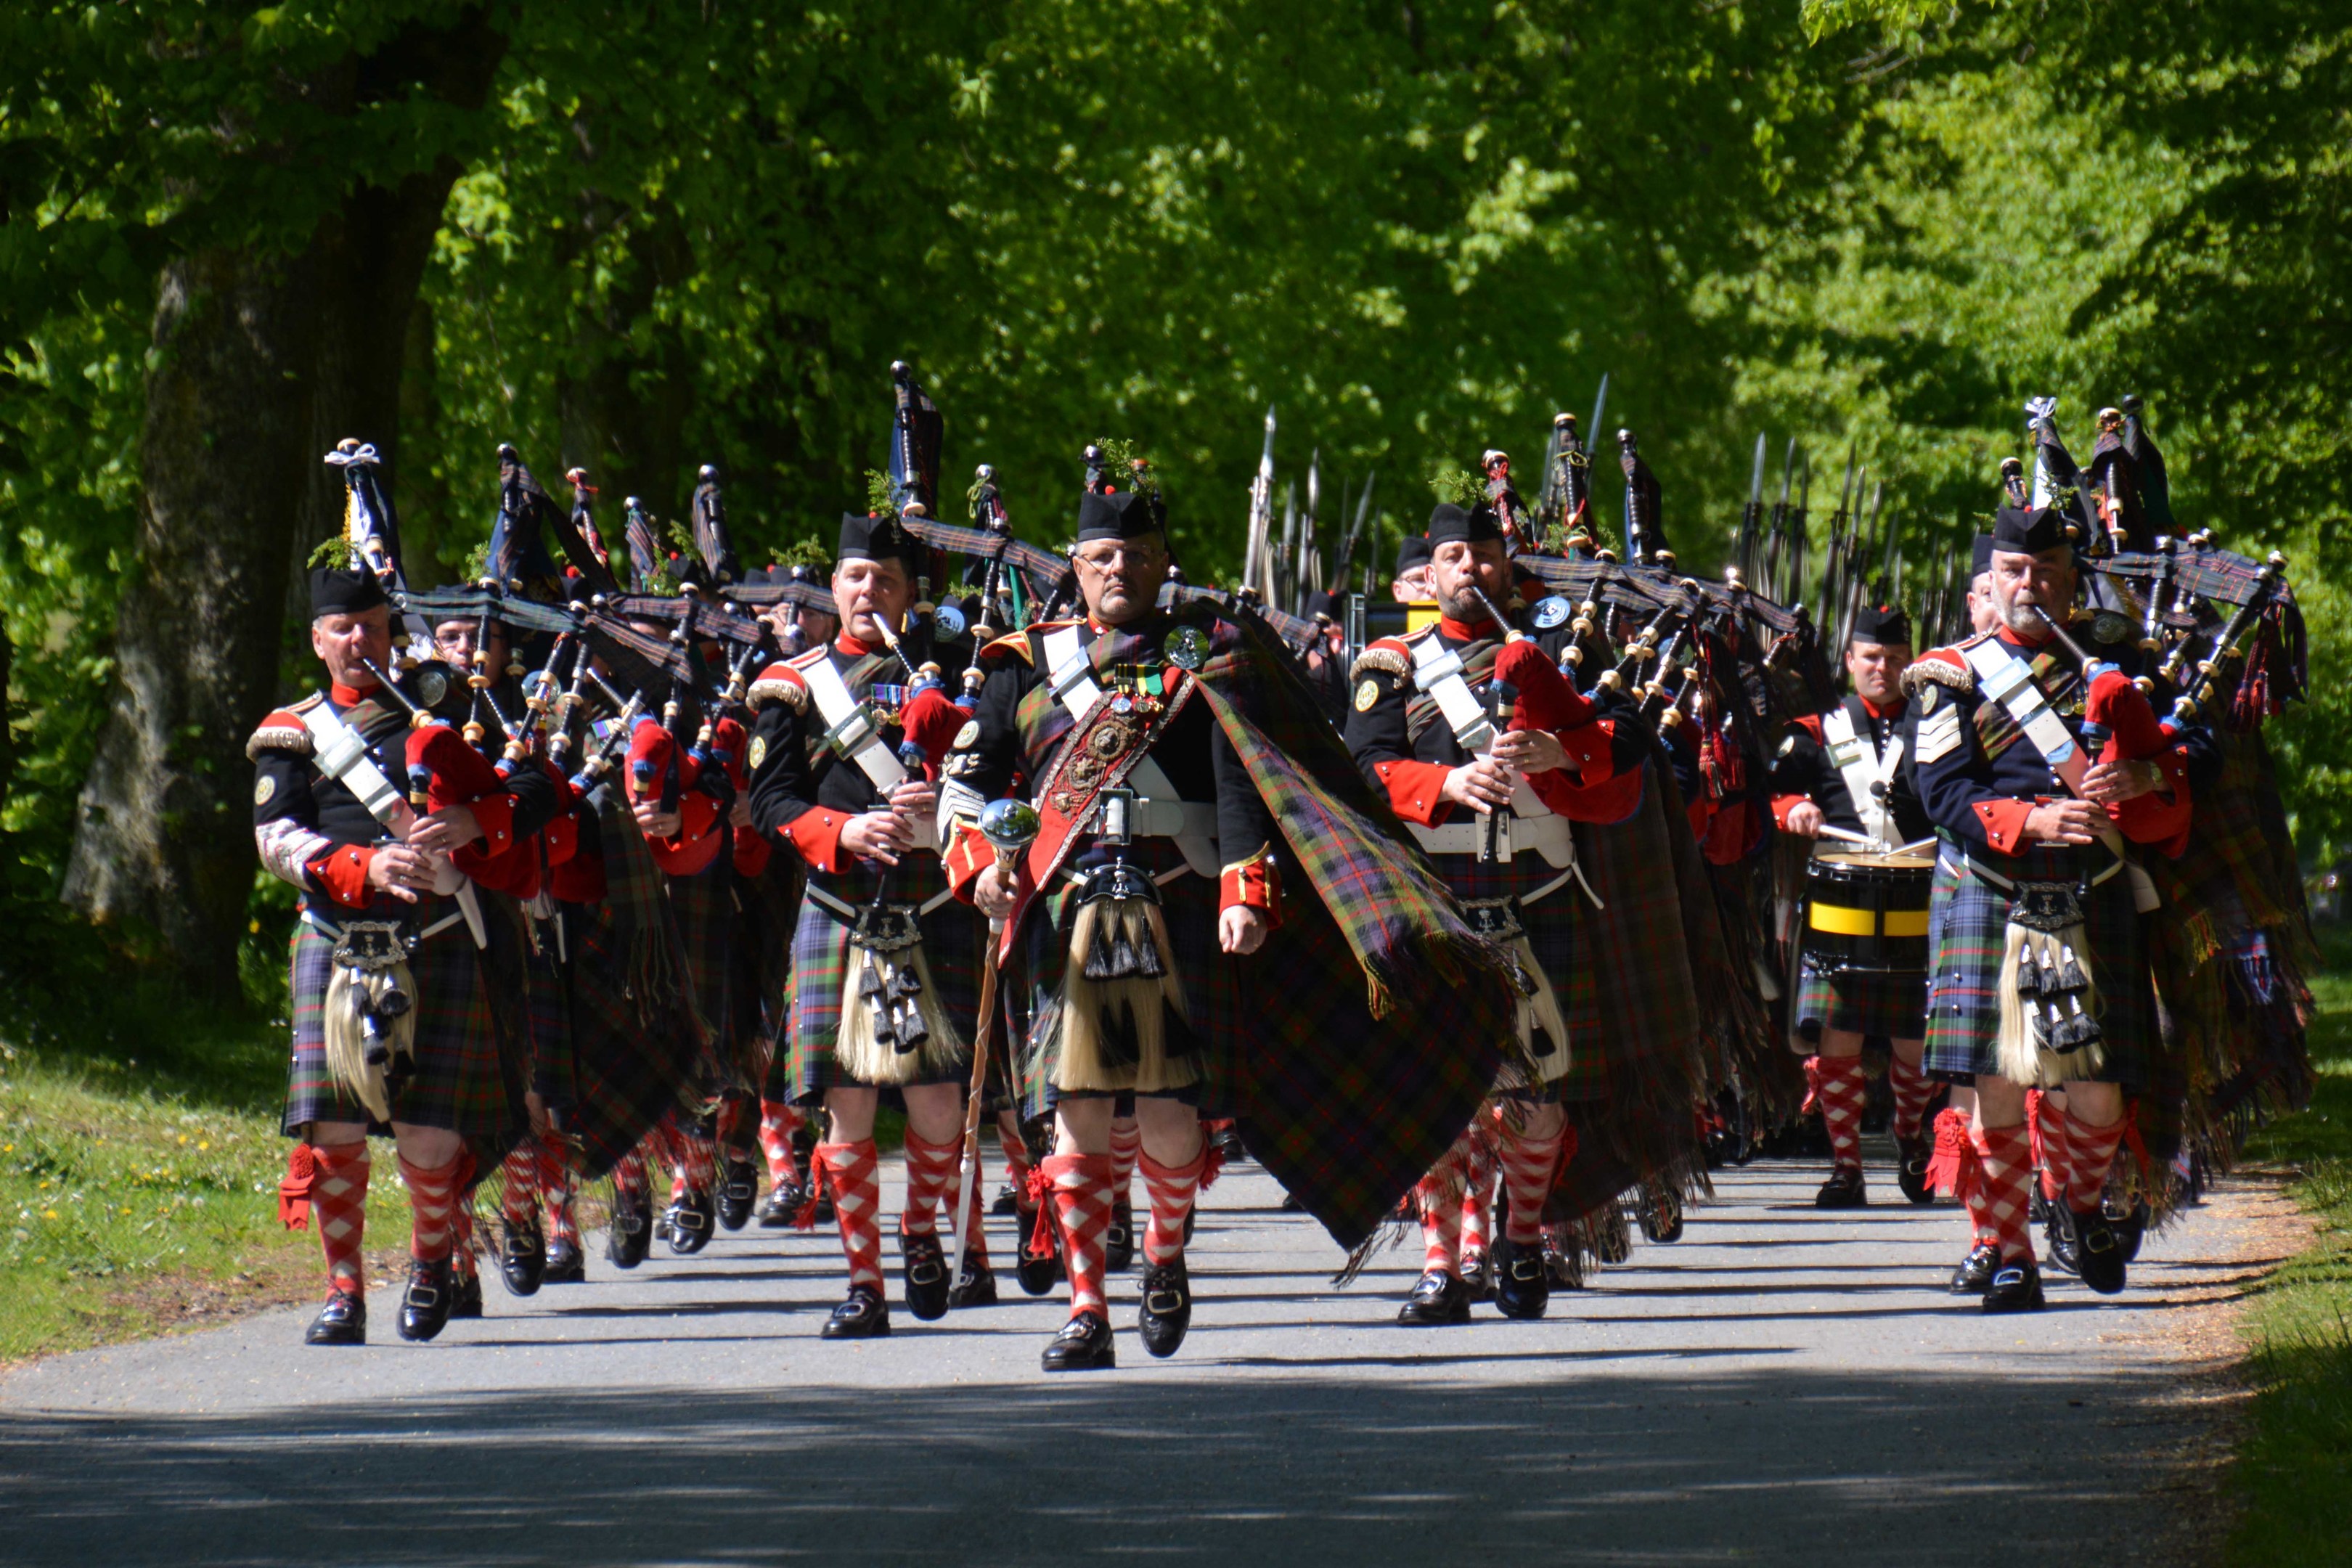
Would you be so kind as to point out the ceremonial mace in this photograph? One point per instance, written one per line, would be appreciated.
(1010, 827)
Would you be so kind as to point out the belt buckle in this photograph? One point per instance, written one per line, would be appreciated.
(372, 945)
(883, 927)
(2046, 906)
(1495, 918)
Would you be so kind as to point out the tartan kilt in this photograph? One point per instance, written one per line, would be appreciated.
(1863, 1002)
(703, 906)
(1967, 919)
(547, 1009)
(1550, 926)
(952, 936)
(634, 1059)
(1633, 997)
(458, 1084)
(1211, 978)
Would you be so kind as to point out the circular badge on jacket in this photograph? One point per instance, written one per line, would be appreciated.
(759, 753)
(263, 788)
(1367, 693)
(969, 736)
(1187, 647)
(2107, 626)
(1549, 613)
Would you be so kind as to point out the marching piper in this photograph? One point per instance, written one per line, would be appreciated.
(886, 961)
(1486, 753)
(2046, 775)
(392, 1026)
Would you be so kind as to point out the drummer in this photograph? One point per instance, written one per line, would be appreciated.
(1841, 779)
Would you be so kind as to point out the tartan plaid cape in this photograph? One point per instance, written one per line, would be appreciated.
(1375, 1018)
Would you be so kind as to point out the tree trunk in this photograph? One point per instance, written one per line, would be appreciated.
(162, 844)
(262, 365)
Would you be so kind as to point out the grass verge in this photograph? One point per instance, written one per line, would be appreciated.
(2294, 1476)
(140, 1155)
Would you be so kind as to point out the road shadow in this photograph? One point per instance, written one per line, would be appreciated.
(1521, 1458)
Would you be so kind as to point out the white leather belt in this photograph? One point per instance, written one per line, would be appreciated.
(1548, 836)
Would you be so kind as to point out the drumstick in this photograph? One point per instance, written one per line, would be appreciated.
(1914, 844)
(1861, 838)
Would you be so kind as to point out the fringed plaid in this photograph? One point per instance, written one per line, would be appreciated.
(1968, 922)
(1374, 1019)
(458, 1083)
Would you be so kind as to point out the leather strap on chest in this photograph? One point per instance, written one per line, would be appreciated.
(1868, 773)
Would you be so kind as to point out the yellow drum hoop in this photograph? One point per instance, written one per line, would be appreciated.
(1839, 920)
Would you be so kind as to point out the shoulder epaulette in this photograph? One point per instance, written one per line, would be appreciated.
(283, 730)
(1944, 667)
(780, 682)
(1019, 643)
(1388, 656)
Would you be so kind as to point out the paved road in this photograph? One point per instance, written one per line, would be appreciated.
(1781, 1386)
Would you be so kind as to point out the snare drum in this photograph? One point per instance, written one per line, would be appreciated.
(1867, 912)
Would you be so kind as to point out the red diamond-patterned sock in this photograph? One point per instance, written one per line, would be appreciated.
(1080, 1187)
(1479, 1171)
(1126, 1143)
(1530, 1165)
(2004, 1186)
(2053, 1154)
(432, 1199)
(854, 1171)
(630, 1177)
(558, 1192)
(1440, 1198)
(461, 1238)
(1842, 1088)
(777, 1122)
(1913, 1090)
(1172, 1189)
(931, 1170)
(338, 1210)
(2091, 1153)
(519, 1202)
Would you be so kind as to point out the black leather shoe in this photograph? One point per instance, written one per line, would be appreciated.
(1118, 1241)
(566, 1266)
(975, 1287)
(631, 1234)
(2037, 1207)
(424, 1305)
(1477, 1277)
(690, 1222)
(1975, 1271)
(2098, 1252)
(466, 1296)
(865, 1316)
(1522, 1287)
(342, 1321)
(1085, 1344)
(923, 1265)
(2059, 1236)
(522, 1259)
(739, 1189)
(1843, 1190)
(1437, 1300)
(2130, 1225)
(1167, 1307)
(2016, 1286)
(783, 1205)
(1004, 1203)
(1911, 1170)
(1038, 1271)
(1229, 1144)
